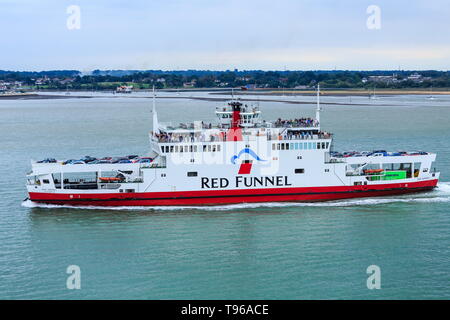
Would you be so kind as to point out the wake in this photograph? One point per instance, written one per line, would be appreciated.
(439, 195)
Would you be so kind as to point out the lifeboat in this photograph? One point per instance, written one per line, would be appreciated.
(106, 179)
(374, 171)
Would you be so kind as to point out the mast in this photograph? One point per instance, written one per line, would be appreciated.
(318, 104)
(155, 115)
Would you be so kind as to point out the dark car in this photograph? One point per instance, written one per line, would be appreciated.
(88, 159)
(48, 160)
(117, 159)
(104, 161)
(69, 161)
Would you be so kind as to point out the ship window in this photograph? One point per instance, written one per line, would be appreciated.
(167, 149)
(185, 148)
(129, 190)
(299, 171)
(57, 180)
(323, 145)
(416, 169)
(300, 146)
(327, 145)
(287, 146)
(191, 148)
(327, 170)
(85, 180)
(45, 181)
(162, 149)
(305, 145)
(282, 146)
(209, 148)
(357, 183)
(204, 148)
(278, 146)
(176, 148)
(214, 148)
(171, 149)
(274, 147)
(318, 145)
(218, 148)
(192, 174)
(163, 174)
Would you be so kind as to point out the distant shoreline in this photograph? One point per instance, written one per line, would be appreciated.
(262, 92)
(35, 96)
(345, 92)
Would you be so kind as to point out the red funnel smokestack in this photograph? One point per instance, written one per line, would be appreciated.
(236, 114)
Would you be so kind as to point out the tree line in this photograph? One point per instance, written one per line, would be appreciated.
(110, 79)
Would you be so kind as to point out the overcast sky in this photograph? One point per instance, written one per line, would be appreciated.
(226, 34)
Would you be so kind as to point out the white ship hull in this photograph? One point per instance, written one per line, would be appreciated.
(241, 162)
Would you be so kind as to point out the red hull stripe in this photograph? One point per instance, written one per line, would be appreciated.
(233, 196)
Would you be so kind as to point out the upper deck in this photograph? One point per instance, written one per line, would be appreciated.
(243, 119)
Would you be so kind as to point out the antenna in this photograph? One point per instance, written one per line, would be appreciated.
(155, 115)
(154, 98)
(318, 104)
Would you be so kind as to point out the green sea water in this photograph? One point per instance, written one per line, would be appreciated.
(245, 251)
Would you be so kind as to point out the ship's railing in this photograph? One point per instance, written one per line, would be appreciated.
(300, 136)
(198, 125)
(296, 123)
(188, 139)
(221, 138)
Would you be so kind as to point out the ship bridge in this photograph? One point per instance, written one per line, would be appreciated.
(238, 114)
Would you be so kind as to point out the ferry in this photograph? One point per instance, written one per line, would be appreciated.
(238, 159)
